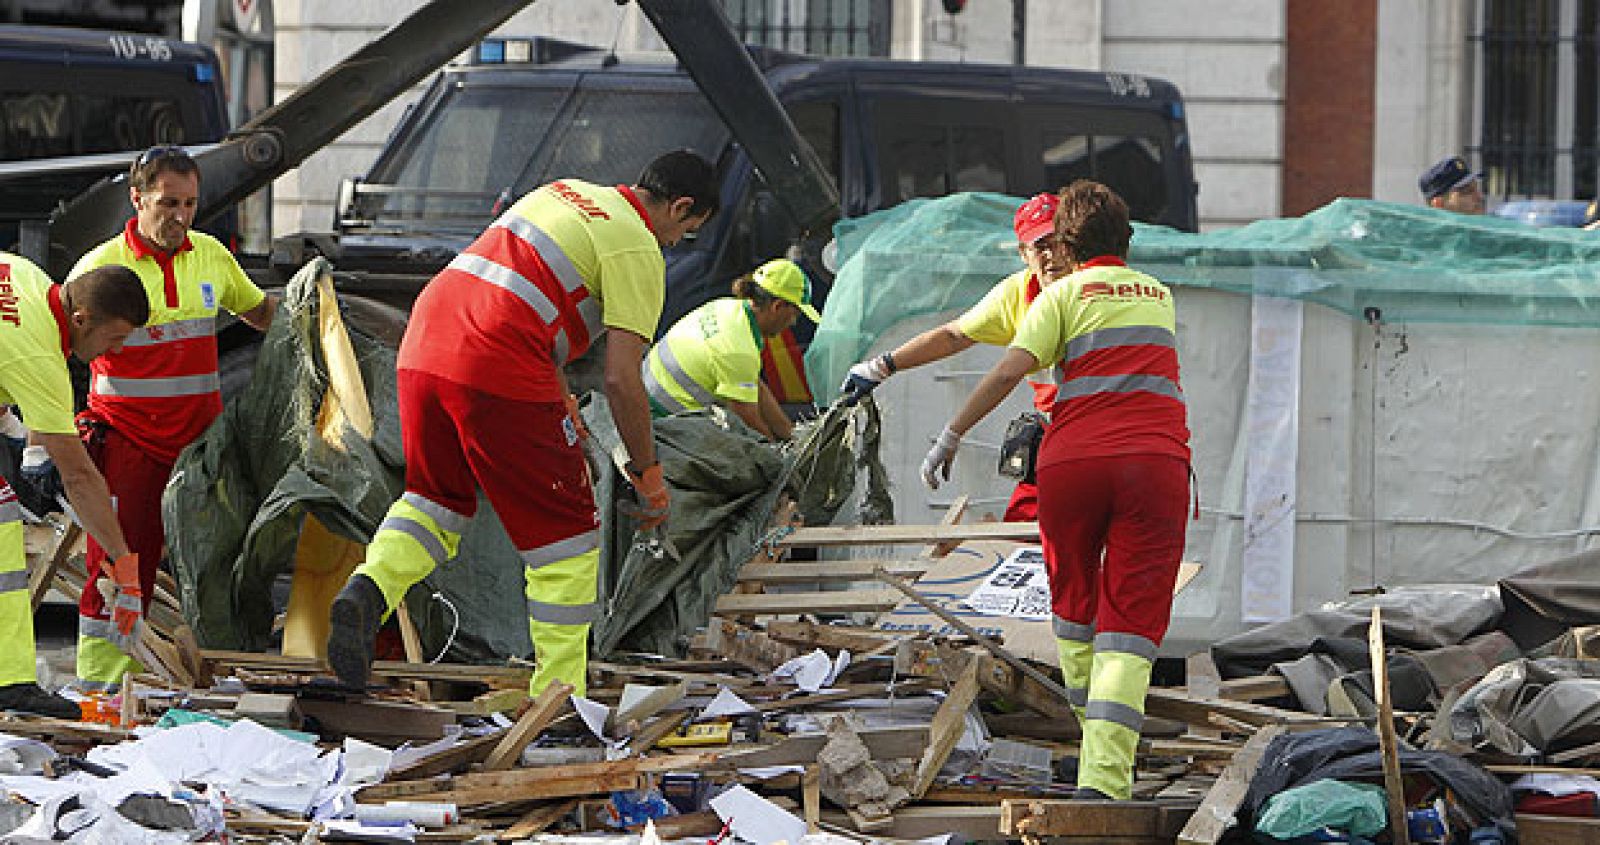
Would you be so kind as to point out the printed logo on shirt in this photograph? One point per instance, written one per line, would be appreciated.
(747, 385)
(570, 430)
(8, 298)
(579, 201)
(208, 295)
(1121, 290)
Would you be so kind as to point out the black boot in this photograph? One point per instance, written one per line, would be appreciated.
(357, 613)
(1089, 793)
(30, 698)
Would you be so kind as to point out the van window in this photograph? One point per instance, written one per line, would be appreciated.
(46, 124)
(818, 123)
(1131, 165)
(933, 147)
(613, 134)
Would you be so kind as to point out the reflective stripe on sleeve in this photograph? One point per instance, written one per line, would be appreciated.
(151, 388)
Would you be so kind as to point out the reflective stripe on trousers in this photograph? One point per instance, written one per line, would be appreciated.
(102, 655)
(16, 607)
(1075, 649)
(660, 392)
(563, 599)
(416, 536)
(1118, 680)
(155, 388)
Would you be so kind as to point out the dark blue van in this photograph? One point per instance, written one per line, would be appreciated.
(78, 92)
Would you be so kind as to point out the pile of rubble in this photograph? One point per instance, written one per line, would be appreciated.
(834, 701)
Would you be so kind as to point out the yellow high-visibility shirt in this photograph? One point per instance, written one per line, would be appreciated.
(712, 354)
(33, 347)
(994, 320)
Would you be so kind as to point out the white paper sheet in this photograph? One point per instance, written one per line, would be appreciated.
(727, 703)
(757, 820)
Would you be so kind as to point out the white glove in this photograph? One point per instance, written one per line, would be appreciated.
(940, 457)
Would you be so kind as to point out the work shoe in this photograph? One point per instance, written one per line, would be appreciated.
(1089, 793)
(357, 613)
(30, 698)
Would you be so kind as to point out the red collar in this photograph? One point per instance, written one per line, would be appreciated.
(60, 313)
(1103, 261)
(1032, 290)
(633, 200)
(142, 249)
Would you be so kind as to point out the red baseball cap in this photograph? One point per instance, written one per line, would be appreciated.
(1036, 218)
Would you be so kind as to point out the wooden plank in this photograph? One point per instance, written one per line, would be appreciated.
(570, 781)
(459, 756)
(845, 693)
(746, 646)
(831, 637)
(831, 601)
(926, 659)
(536, 820)
(878, 535)
(378, 719)
(650, 734)
(1175, 704)
(657, 700)
(1040, 817)
(1388, 742)
(977, 824)
(808, 572)
(492, 675)
(1558, 830)
(1216, 813)
(957, 510)
(949, 722)
(1254, 688)
(545, 708)
(41, 578)
(882, 743)
(411, 641)
(811, 797)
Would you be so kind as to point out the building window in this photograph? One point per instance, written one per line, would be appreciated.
(1538, 68)
(815, 27)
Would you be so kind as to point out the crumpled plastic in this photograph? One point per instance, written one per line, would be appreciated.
(1358, 808)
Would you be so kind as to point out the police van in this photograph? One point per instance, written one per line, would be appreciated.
(96, 98)
(887, 131)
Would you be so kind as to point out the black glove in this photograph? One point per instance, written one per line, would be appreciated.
(40, 490)
(864, 378)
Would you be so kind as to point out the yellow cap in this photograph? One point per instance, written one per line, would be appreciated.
(785, 280)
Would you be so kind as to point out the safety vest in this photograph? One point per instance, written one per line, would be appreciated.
(162, 390)
(1115, 360)
(712, 354)
(34, 345)
(536, 288)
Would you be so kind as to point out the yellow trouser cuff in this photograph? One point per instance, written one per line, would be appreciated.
(409, 545)
(101, 665)
(562, 601)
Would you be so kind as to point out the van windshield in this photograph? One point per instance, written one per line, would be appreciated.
(485, 145)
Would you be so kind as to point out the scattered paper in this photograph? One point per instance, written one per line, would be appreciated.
(1018, 587)
(364, 763)
(407, 754)
(755, 819)
(727, 703)
(770, 772)
(350, 830)
(811, 672)
(23, 756)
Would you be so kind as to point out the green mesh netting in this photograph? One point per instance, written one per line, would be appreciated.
(1414, 264)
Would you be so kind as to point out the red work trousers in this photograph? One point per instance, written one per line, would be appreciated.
(458, 439)
(136, 479)
(1113, 532)
(1024, 504)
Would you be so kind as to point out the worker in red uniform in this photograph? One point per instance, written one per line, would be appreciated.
(1113, 472)
(40, 325)
(994, 320)
(483, 402)
(162, 390)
